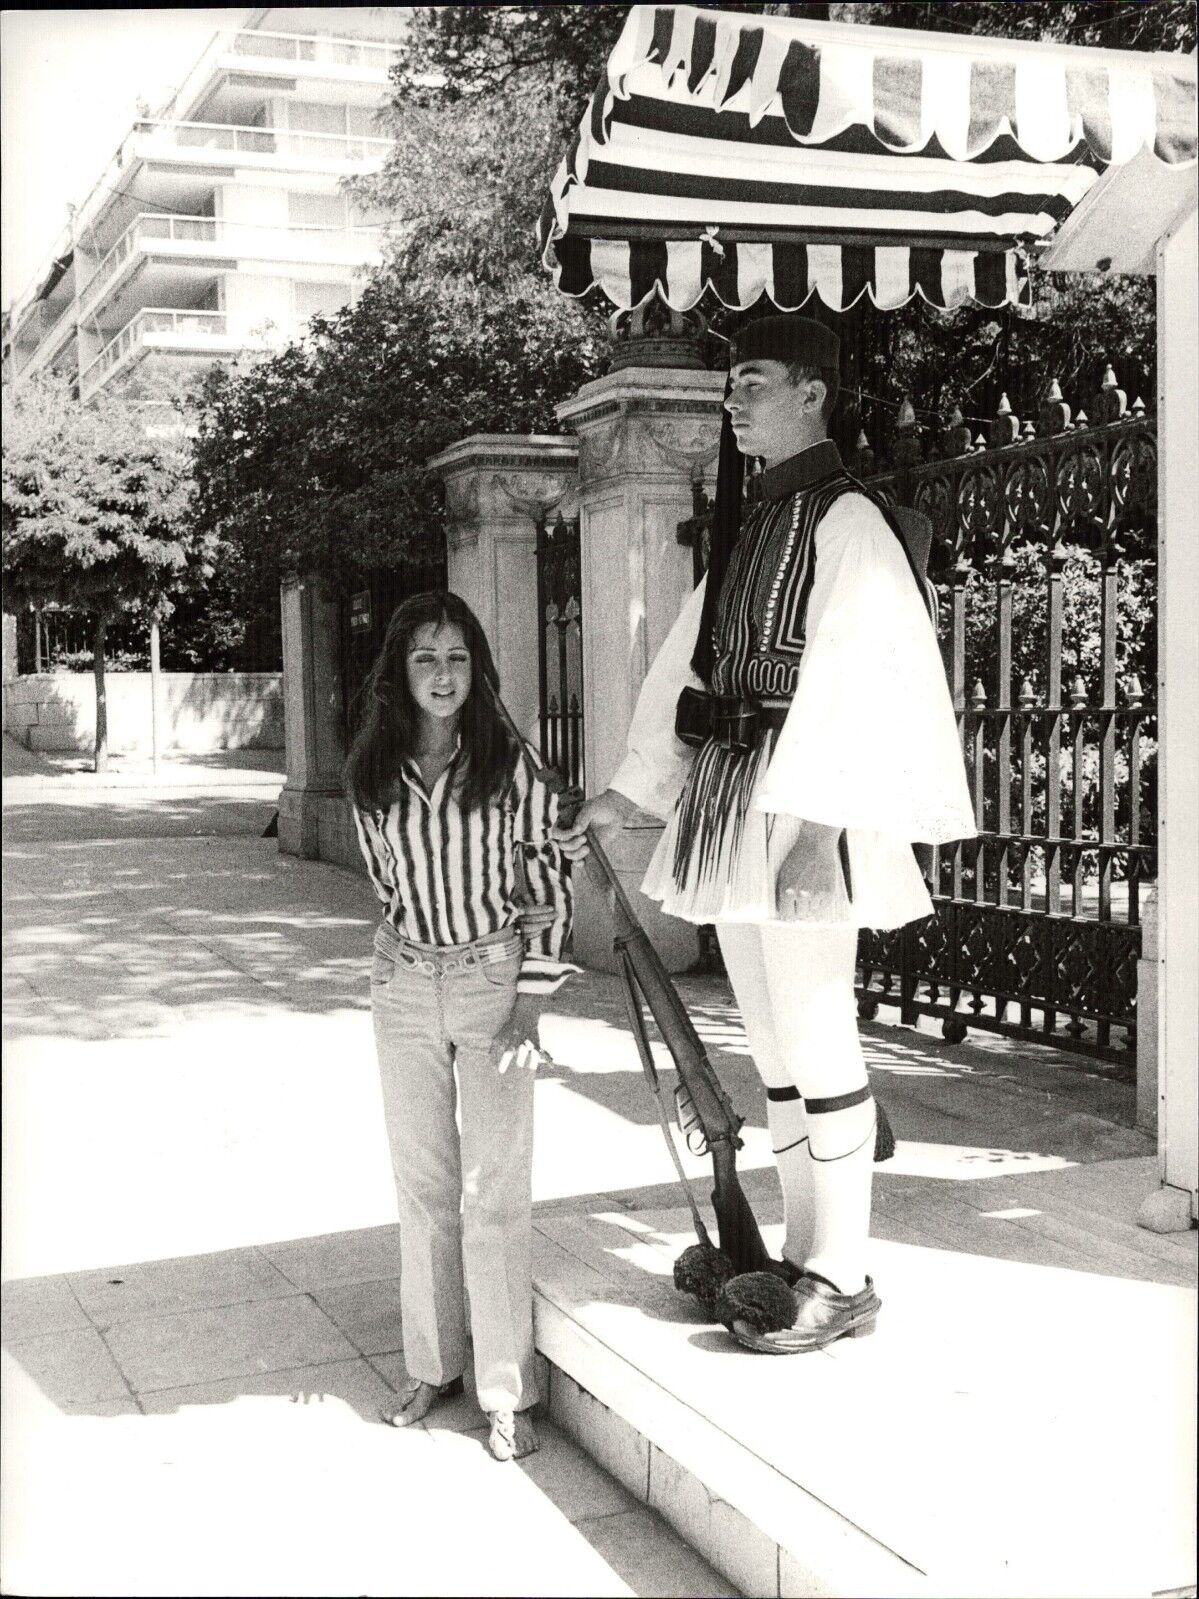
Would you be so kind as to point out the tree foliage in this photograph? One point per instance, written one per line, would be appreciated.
(95, 513)
(316, 456)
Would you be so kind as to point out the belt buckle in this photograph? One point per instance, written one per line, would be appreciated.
(735, 726)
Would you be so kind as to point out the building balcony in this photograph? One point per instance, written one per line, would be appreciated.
(175, 246)
(43, 339)
(241, 64)
(199, 333)
(225, 145)
(365, 55)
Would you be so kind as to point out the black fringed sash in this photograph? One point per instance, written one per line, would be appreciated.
(712, 809)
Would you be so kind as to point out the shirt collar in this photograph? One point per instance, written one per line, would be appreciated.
(410, 771)
(800, 471)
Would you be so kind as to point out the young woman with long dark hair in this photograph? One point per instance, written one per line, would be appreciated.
(455, 832)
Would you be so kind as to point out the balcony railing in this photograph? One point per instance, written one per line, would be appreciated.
(209, 230)
(370, 53)
(148, 225)
(187, 324)
(262, 141)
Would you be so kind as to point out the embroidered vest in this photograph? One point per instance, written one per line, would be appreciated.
(761, 617)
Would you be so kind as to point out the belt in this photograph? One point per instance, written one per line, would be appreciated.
(734, 723)
(434, 959)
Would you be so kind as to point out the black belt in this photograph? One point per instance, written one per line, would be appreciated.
(734, 723)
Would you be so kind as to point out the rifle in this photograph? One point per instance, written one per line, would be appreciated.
(706, 1115)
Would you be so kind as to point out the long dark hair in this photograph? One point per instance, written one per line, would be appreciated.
(387, 715)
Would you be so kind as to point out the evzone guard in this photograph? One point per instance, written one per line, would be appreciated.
(797, 734)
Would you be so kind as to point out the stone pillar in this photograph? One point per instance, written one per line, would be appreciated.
(313, 821)
(497, 487)
(644, 433)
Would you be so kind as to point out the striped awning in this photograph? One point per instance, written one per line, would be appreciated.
(760, 155)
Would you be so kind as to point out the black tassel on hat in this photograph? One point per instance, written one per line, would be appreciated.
(726, 529)
(786, 338)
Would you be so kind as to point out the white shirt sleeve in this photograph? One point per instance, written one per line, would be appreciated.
(871, 739)
(655, 768)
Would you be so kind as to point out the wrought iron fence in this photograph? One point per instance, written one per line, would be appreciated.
(560, 647)
(1044, 559)
(55, 636)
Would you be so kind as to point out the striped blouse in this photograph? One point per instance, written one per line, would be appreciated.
(448, 876)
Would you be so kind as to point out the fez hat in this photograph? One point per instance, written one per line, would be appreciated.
(786, 338)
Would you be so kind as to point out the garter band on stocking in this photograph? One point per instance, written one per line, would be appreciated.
(788, 1121)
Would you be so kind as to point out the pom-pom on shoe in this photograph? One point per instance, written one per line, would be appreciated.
(702, 1270)
(759, 1300)
(822, 1315)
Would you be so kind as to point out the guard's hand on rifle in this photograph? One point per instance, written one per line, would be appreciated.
(607, 813)
(810, 887)
(516, 1043)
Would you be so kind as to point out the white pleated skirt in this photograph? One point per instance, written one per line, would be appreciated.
(728, 868)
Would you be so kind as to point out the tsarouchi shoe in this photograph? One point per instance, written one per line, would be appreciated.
(822, 1315)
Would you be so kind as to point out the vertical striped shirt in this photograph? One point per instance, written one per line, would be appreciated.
(449, 876)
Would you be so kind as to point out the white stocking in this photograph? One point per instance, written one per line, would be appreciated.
(741, 947)
(809, 975)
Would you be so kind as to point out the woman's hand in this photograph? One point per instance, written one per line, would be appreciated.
(516, 1043)
(607, 813)
(810, 886)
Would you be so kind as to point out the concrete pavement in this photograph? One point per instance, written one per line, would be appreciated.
(200, 1236)
(200, 1315)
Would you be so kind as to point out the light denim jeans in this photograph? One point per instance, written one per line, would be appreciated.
(465, 1202)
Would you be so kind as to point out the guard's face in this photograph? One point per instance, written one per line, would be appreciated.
(770, 414)
(439, 669)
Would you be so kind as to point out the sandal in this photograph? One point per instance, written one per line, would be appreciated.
(400, 1414)
(513, 1435)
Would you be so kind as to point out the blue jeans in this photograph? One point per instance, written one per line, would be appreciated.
(465, 1200)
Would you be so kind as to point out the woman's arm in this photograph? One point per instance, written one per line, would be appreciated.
(373, 852)
(546, 918)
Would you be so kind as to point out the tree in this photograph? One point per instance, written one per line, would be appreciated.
(314, 460)
(94, 514)
(317, 455)
(466, 56)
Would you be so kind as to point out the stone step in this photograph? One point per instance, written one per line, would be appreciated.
(951, 1453)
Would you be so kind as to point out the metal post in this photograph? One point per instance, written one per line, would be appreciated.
(154, 675)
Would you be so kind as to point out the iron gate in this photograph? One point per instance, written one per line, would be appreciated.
(1044, 558)
(560, 647)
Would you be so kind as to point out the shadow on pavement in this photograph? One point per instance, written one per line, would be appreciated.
(171, 814)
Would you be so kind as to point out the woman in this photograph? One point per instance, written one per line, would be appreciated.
(476, 901)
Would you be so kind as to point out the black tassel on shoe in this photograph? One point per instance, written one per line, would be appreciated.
(884, 1137)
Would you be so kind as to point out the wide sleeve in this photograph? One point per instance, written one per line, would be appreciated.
(546, 915)
(656, 764)
(871, 740)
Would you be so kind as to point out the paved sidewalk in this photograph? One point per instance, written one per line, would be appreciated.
(37, 771)
(201, 1236)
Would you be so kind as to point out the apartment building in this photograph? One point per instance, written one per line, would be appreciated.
(221, 224)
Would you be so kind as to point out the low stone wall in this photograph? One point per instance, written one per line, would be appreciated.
(198, 712)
